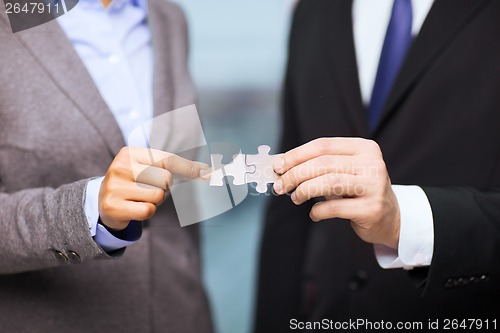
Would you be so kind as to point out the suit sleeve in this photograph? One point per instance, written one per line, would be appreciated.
(45, 227)
(466, 238)
(285, 237)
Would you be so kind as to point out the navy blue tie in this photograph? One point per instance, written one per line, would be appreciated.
(396, 44)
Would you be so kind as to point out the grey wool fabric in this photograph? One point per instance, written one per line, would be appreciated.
(56, 133)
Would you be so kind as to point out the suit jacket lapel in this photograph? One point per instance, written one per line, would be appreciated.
(340, 49)
(445, 20)
(54, 52)
(162, 36)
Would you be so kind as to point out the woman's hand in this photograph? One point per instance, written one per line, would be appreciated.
(137, 181)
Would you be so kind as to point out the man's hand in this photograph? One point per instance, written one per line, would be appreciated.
(351, 175)
(137, 181)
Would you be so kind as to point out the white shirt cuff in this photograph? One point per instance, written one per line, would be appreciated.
(108, 242)
(416, 238)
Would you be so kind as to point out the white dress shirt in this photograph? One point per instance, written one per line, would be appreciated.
(114, 44)
(416, 241)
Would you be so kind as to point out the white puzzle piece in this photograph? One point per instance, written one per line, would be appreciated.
(264, 172)
(236, 169)
(245, 169)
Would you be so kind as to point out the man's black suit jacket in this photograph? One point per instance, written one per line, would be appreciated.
(440, 129)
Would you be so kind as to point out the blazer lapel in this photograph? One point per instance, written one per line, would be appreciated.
(162, 36)
(341, 51)
(445, 20)
(55, 54)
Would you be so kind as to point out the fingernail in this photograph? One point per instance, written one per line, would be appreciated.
(312, 218)
(278, 186)
(279, 165)
(204, 173)
(293, 196)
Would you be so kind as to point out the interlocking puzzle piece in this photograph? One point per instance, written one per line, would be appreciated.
(264, 173)
(245, 169)
(237, 169)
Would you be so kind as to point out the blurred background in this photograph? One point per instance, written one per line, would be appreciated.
(237, 59)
